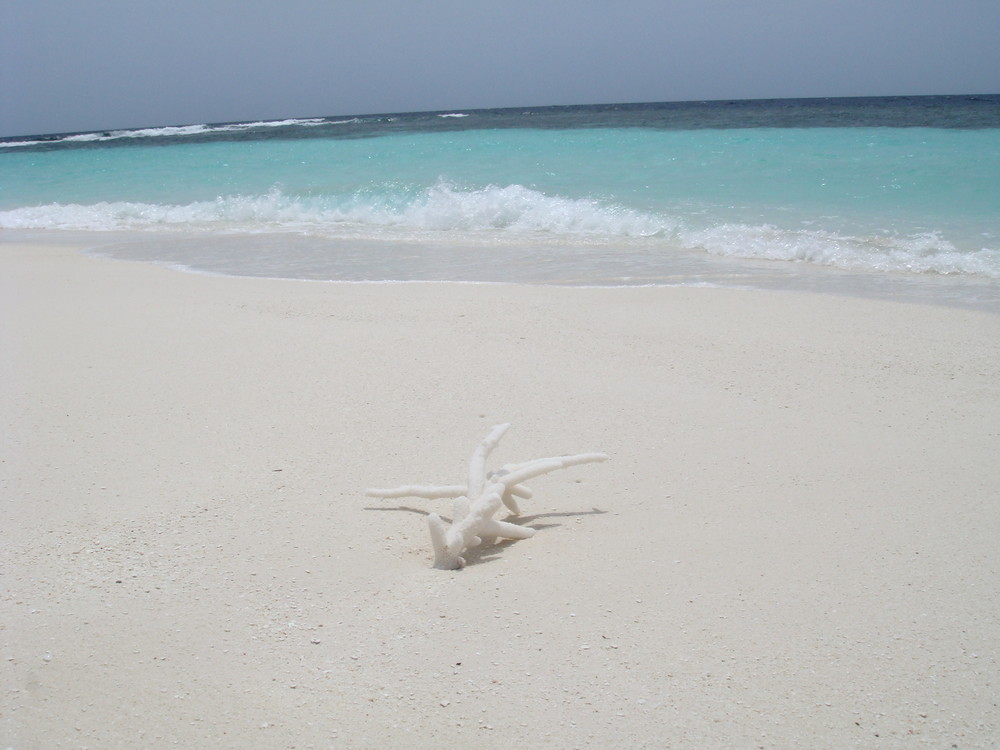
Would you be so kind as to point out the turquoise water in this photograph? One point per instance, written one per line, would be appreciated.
(574, 195)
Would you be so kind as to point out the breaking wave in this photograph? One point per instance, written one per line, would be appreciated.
(441, 208)
(513, 213)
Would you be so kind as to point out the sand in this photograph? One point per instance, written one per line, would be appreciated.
(794, 543)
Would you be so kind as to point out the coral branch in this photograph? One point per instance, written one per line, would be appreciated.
(475, 505)
(514, 475)
(416, 490)
(519, 490)
(477, 464)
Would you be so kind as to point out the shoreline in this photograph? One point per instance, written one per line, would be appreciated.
(792, 544)
(959, 292)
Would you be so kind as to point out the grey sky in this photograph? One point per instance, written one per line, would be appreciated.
(103, 64)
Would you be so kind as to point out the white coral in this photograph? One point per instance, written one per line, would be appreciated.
(473, 521)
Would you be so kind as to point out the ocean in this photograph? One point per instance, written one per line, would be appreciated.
(894, 197)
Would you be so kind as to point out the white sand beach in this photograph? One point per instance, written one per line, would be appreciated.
(793, 544)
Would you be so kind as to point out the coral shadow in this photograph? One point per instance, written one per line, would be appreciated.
(485, 553)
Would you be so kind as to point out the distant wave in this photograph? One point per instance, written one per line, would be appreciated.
(24, 143)
(171, 131)
(513, 213)
(454, 114)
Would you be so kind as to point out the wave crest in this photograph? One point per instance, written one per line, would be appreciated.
(514, 214)
(440, 208)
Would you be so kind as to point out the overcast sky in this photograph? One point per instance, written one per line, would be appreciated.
(67, 65)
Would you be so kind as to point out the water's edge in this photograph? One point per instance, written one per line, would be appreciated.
(965, 293)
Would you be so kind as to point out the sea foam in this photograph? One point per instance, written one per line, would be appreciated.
(918, 253)
(512, 213)
(440, 208)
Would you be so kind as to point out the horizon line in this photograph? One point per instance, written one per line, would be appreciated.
(56, 135)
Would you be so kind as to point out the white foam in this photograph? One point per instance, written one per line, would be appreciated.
(513, 213)
(518, 209)
(176, 131)
(918, 253)
(441, 208)
(14, 144)
(84, 137)
(280, 123)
